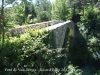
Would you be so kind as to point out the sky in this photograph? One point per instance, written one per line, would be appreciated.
(10, 5)
(50, 1)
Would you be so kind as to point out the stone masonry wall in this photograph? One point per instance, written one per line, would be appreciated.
(21, 29)
(59, 31)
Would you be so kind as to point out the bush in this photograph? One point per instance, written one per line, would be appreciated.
(89, 27)
(27, 53)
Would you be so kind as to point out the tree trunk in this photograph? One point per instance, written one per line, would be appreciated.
(2, 22)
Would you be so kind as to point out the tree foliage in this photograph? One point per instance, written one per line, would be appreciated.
(43, 10)
(31, 50)
(59, 10)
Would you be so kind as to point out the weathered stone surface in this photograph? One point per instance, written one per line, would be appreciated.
(59, 31)
(21, 29)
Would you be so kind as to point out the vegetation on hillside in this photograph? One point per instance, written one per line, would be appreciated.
(33, 52)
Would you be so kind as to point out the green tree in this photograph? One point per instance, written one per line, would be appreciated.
(30, 11)
(15, 15)
(59, 10)
(43, 10)
(9, 1)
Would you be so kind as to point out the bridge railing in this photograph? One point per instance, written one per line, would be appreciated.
(21, 29)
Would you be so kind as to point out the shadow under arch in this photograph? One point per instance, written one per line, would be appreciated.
(79, 55)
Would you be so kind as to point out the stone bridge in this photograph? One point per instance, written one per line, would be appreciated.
(61, 35)
(58, 29)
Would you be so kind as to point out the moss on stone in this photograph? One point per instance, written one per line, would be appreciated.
(49, 40)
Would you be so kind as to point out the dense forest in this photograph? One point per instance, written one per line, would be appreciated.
(29, 54)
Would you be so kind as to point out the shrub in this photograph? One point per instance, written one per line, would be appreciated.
(89, 27)
(27, 53)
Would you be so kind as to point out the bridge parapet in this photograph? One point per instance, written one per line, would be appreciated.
(21, 29)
